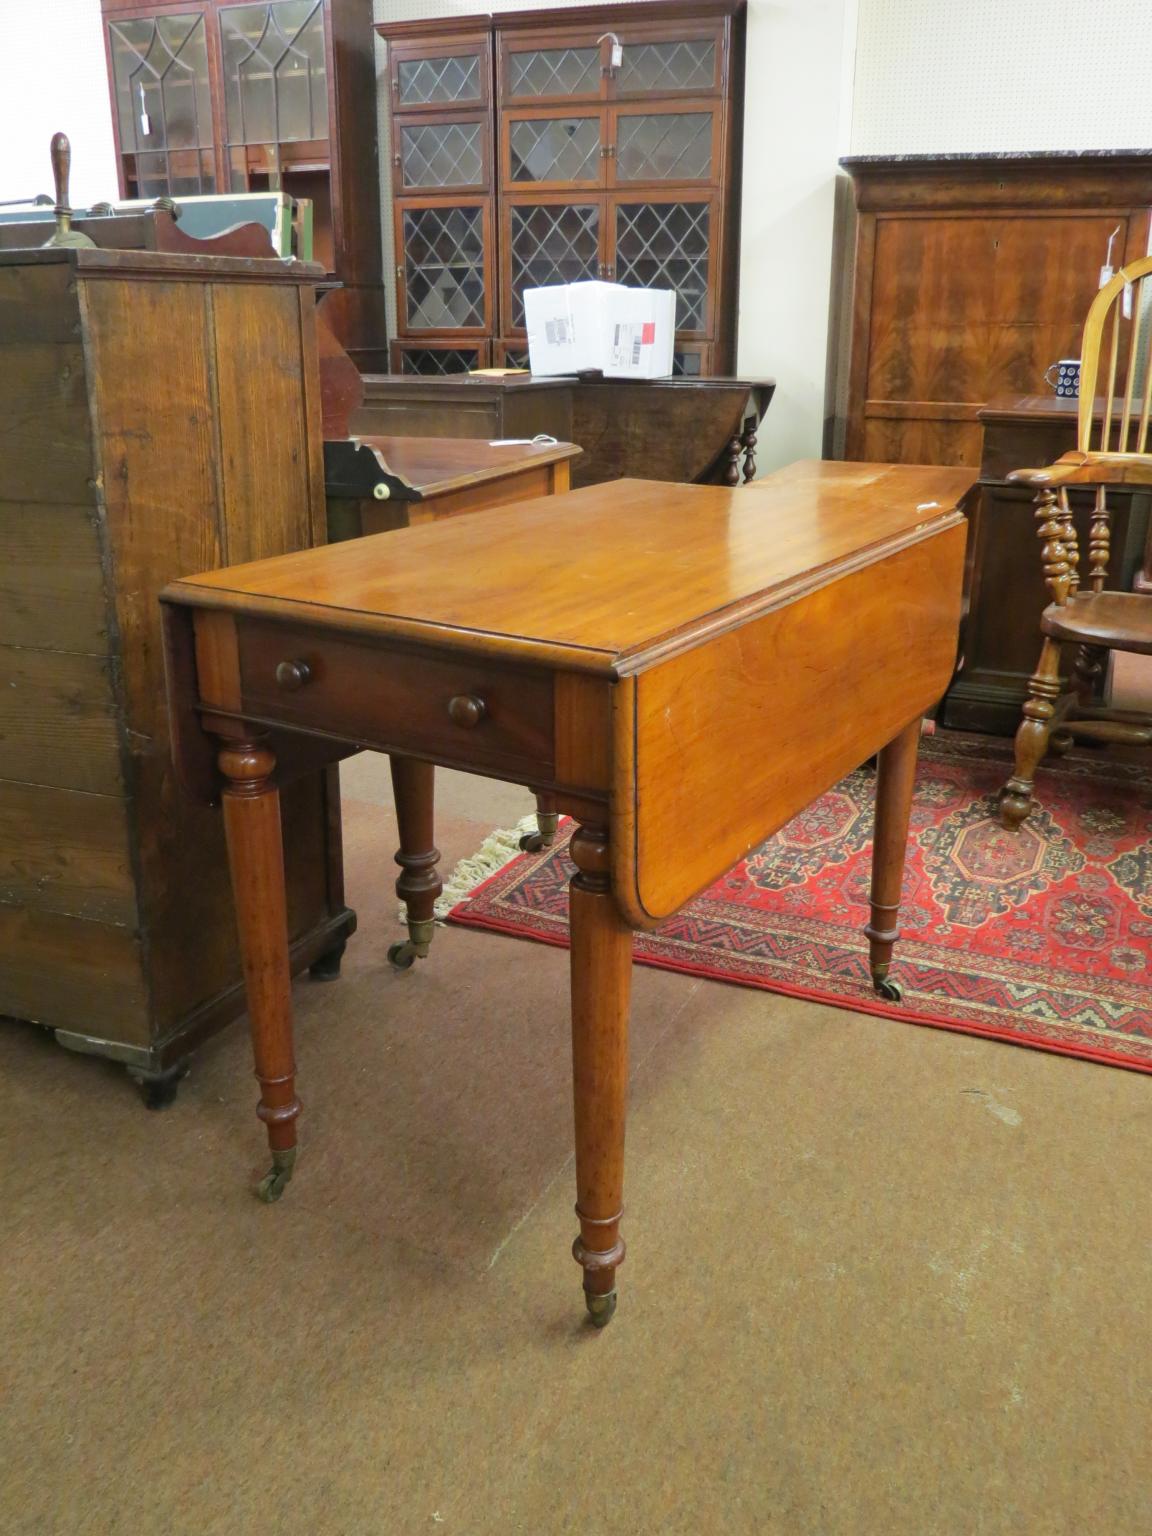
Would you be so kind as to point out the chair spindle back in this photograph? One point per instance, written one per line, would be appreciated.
(1119, 330)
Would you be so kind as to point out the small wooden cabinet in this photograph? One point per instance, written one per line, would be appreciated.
(972, 274)
(217, 97)
(524, 155)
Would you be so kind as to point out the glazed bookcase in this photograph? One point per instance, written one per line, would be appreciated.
(525, 154)
(216, 96)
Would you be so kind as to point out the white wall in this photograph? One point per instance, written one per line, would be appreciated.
(1002, 74)
(795, 113)
(53, 77)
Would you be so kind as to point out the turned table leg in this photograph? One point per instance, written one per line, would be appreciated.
(547, 820)
(601, 982)
(418, 886)
(895, 780)
(256, 859)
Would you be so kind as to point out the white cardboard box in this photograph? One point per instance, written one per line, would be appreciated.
(625, 332)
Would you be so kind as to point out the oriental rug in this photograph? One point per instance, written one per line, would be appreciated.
(1039, 937)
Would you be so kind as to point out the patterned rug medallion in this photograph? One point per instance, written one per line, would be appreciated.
(1039, 937)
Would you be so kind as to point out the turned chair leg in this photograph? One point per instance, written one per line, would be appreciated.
(256, 859)
(1032, 736)
(895, 782)
(601, 960)
(419, 885)
(547, 820)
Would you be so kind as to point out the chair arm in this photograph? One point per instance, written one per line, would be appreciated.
(1088, 469)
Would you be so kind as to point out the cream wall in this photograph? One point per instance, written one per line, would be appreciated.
(1002, 74)
(53, 77)
(796, 107)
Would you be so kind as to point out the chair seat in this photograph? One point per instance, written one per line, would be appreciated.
(1122, 621)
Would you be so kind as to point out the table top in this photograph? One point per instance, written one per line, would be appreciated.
(447, 383)
(434, 465)
(606, 579)
(1057, 408)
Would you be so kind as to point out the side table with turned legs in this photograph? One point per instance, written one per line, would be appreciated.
(689, 671)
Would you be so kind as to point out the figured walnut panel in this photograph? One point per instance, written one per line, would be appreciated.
(963, 308)
(703, 720)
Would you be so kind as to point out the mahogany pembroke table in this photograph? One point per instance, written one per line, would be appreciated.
(690, 668)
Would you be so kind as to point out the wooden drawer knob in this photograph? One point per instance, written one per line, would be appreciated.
(293, 674)
(466, 709)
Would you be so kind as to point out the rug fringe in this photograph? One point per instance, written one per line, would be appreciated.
(497, 849)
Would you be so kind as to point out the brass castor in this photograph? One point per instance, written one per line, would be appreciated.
(601, 1309)
(327, 967)
(275, 1181)
(891, 991)
(402, 955)
(545, 833)
(415, 946)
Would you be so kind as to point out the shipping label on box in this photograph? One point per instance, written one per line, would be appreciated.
(626, 333)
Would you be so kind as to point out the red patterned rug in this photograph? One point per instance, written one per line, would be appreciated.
(1040, 937)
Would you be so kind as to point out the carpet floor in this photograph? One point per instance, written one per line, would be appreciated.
(1039, 937)
(879, 1279)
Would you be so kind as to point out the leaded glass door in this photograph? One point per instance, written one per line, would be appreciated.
(668, 244)
(450, 73)
(436, 359)
(441, 153)
(444, 266)
(275, 71)
(548, 150)
(552, 66)
(666, 61)
(660, 145)
(163, 104)
(548, 240)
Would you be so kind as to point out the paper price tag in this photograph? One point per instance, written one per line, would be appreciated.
(1126, 301)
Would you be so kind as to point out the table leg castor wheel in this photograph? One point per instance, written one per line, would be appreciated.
(544, 835)
(275, 1181)
(402, 955)
(891, 991)
(601, 1309)
(327, 967)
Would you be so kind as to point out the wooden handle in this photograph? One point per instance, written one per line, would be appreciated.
(293, 674)
(61, 152)
(467, 710)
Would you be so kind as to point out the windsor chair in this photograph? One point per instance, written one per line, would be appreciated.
(1095, 622)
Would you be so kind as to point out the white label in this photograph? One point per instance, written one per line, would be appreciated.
(626, 342)
(559, 333)
(1127, 301)
(1105, 275)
